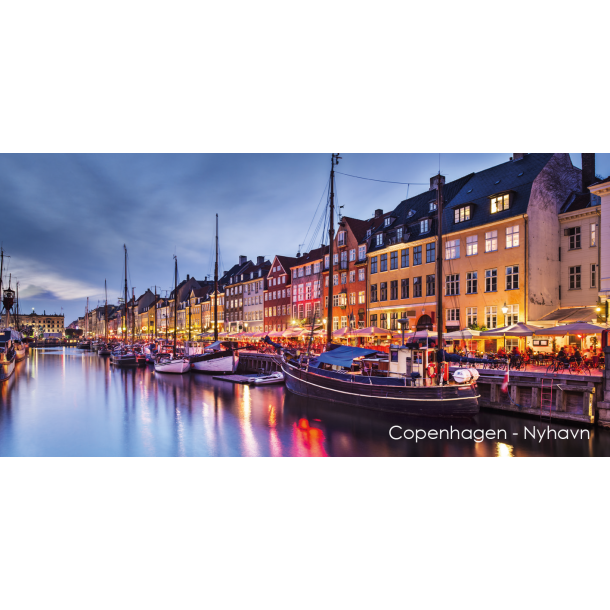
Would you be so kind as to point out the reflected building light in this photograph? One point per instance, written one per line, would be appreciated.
(504, 450)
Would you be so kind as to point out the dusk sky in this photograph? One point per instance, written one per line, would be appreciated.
(65, 217)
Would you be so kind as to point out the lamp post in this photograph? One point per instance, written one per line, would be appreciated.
(504, 311)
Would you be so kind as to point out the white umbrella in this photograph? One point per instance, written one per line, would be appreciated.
(576, 328)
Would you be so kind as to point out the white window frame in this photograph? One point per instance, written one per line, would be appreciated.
(512, 237)
(452, 249)
(491, 241)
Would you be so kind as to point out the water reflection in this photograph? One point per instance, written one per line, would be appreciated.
(64, 402)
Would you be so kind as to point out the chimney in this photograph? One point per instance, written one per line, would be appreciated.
(518, 156)
(260, 260)
(298, 255)
(435, 180)
(243, 259)
(378, 213)
(188, 277)
(588, 170)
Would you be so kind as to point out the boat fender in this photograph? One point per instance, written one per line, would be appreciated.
(432, 370)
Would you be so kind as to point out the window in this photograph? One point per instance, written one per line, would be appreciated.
(388, 222)
(491, 280)
(471, 316)
(383, 291)
(344, 278)
(373, 293)
(352, 276)
(361, 253)
(404, 288)
(335, 323)
(394, 260)
(471, 282)
(512, 315)
(593, 275)
(373, 319)
(336, 259)
(416, 287)
(491, 317)
(404, 258)
(383, 263)
(575, 278)
(499, 204)
(417, 255)
(383, 320)
(373, 264)
(327, 261)
(301, 270)
(316, 289)
(491, 241)
(430, 252)
(452, 315)
(352, 254)
(361, 275)
(361, 297)
(462, 214)
(432, 206)
(394, 290)
(341, 238)
(452, 284)
(424, 226)
(452, 249)
(316, 268)
(352, 298)
(326, 281)
(574, 235)
(430, 285)
(336, 279)
(593, 240)
(398, 234)
(379, 241)
(368, 233)
(307, 291)
(512, 237)
(343, 321)
(512, 277)
(394, 321)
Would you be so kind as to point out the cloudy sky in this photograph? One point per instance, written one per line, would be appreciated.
(65, 217)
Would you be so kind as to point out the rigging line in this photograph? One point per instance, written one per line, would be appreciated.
(326, 187)
(386, 181)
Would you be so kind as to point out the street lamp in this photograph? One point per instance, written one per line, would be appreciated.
(505, 311)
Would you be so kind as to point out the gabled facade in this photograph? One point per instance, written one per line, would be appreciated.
(234, 298)
(306, 283)
(278, 299)
(254, 286)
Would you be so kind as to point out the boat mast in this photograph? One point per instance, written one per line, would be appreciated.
(125, 320)
(175, 300)
(17, 309)
(331, 234)
(133, 314)
(439, 281)
(106, 313)
(216, 286)
(87, 318)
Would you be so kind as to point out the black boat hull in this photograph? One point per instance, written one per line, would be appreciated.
(426, 401)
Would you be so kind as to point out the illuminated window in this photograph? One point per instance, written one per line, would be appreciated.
(593, 241)
(512, 237)
(462, 214)
(452, 249)
(471, 316)
(491, 241)
(424, 226)
(499, 204)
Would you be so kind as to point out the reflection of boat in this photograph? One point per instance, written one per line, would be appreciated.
(274, 378)
(20, 348)
(219, 357)
(84, 345)
(123, 358)
(7, 353)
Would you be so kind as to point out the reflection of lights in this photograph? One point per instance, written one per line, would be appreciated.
(504, 450)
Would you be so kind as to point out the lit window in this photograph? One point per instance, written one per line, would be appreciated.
(352, 254)
(593, 241)
(380, 239)
(499, 204)
(388, 222)
(471, 316)
(424, 226)
(361, 297)
(462, 214)
(399, 234)
(361, 253)
(361, 274)
(432, 206)
(452, 249)
(512, 237)
(512, 315)
(491, 241)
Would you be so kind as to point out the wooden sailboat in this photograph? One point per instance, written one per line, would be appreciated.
(340, 376)
(165, 363)
(219, 357)
(7, 335)
(124, 357)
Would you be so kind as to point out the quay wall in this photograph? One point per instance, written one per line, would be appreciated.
(253, 362)
(603, 404)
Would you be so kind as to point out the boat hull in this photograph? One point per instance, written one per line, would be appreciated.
(216, 364)
(7, 369)
(20, 353)
(177, 367)
(422, 401)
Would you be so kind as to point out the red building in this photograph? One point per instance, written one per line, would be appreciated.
(350, 292)
(307, 286)
(277, 295)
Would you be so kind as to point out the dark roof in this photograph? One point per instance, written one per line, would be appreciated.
(287, 262)
(410, 212)
(516, 176)
(580, 201)
(312, 255)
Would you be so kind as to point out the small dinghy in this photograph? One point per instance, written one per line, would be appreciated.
(172, 365)
(274, 378)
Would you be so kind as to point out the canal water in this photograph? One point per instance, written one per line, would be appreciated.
(67, 402)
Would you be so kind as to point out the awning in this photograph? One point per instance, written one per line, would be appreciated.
(344, 355)
(577, 328)
(569, 314)
(514, 330)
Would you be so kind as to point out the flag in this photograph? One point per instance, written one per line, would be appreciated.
(504, 386)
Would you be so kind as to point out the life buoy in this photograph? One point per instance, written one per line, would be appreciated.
(432, 370)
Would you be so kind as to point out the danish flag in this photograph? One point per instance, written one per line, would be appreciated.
(504, 386)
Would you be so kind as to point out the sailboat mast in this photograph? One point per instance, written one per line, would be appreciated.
(106, 313)
(175, 300)
(439, 280)
(133, 315)
(331, 235)
(216, 286)
(17, 309)
(125, 320)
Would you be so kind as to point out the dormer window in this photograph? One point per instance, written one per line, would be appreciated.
(432, 207)
(368, 233)
(411, 213)
(462, 214)
(388, 222)
(379, 239)
(399, 234)
(424, 226)
(500, 203)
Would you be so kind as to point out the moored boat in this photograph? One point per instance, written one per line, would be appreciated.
(219, 357)
(7, 354)
(168, 364)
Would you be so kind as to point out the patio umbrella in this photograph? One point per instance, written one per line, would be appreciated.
(576, 328)
(372, 331)
(344, 332)
(292, 332)
(465, 334)
(276, 333)
(514, 330)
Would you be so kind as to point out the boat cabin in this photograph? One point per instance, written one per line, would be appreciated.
(412, 360)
